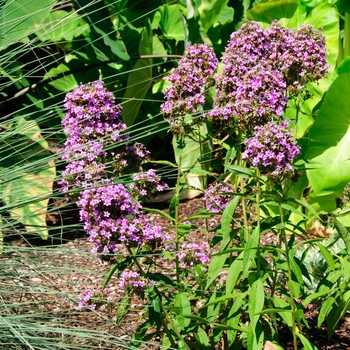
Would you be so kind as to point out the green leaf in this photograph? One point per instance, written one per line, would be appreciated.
(26, 192)
(272, 10)
(20, 18)
(227, 215)
(202, 338)
(234, 318)
(295, 288)
(343, 5)
(315, 296)
(171, 22)
(28, 197)
(209, 11)
(344, 66)
(215, 325)
(249, 251)
(331, 154)
(306, 342)
(174, 203)
(256, 299)
(66, 83)
(182, 307)
(337, 313)
(343, 233)
(255, 306)
(326, 306)
(163, 162)
(346, 266)
(222, 299)
(216, 264)
(62, 25)
(326, 254)
(240, 171)
(139, 80)
(234, 273)
(159, 212)
(295, 268)
(103, 30)
(286, 315)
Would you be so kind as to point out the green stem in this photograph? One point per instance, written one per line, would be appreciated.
(177, 209)
(244, 210)
(297, 107)
(165, 313)
(257, 211)
(242, 188)
(293, 307)
(347, 35)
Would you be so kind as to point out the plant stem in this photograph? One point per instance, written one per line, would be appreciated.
(292, 302)
(257, 212)
(244, 206)
(165, 313)
(297, 107)
(177, 207)
(347, 35)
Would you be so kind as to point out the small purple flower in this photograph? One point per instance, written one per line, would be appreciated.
(192, 254)
(144, 185)
(85, 298)
(133, 282)
(216, 198)
(272, 149)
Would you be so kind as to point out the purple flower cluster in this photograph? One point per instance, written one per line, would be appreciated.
(92, 300)
(261, 68)
(193, 254)
(188, 84)
(146, 184)
(85, 299)
(133, 282)
(97, 149)
(272, 149)
(216, 198)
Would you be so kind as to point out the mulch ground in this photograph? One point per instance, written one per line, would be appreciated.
(69, 268)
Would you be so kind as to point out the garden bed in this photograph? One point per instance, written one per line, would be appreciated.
(42, 283)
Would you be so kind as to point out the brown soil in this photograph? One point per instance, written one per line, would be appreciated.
(29, 273)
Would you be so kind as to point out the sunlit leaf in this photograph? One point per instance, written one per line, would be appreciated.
(139, 80)
(171, 21)
(331, 154)
(210, 11)
(20, 18)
